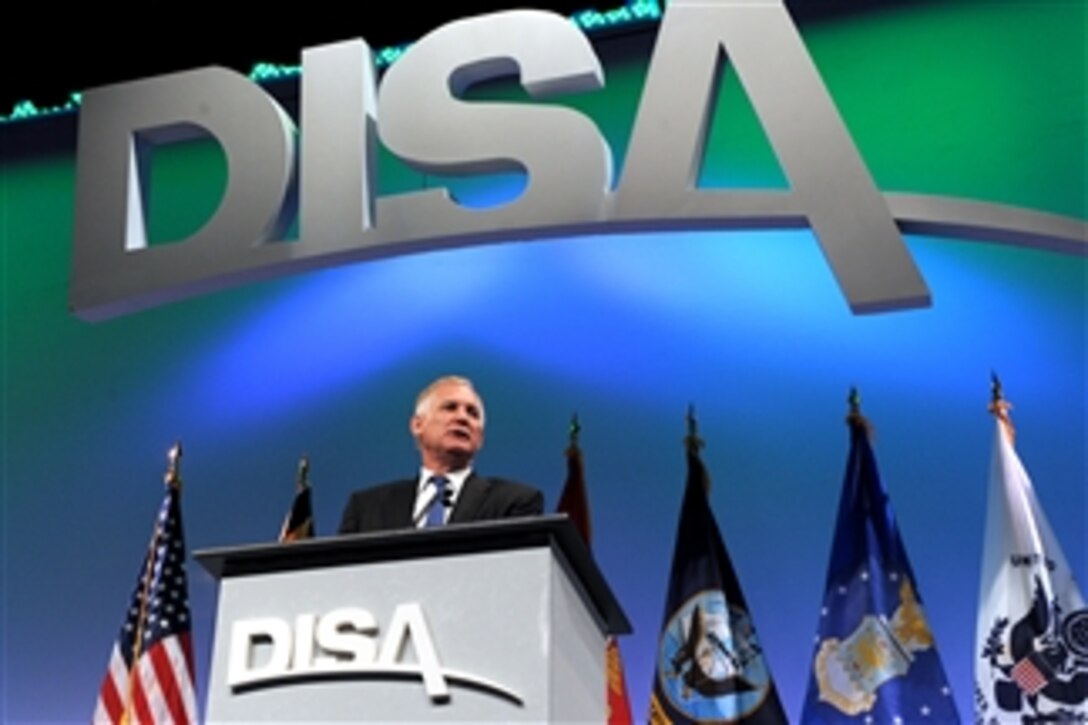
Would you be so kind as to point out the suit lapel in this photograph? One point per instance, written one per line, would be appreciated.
(471, 499)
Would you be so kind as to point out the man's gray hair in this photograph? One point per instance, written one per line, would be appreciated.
(423, 400)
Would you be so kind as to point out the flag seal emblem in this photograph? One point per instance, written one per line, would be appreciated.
(850, 670)
(1042, 659)
(1075, 634)
(710, 665)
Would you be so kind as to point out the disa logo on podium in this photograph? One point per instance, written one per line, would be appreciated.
(269, 652)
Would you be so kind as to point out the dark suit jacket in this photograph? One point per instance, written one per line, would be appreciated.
(389, 506)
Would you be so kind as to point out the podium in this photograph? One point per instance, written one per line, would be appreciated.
(499, 621)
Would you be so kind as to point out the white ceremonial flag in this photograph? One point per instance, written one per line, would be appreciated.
(1031, 646)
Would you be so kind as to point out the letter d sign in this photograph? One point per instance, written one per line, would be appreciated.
(118, 126)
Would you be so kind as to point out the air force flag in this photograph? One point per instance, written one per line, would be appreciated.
(876, 659)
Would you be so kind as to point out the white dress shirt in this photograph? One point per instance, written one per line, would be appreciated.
(426, 491)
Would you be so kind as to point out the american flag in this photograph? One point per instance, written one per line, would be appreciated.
(150, 675)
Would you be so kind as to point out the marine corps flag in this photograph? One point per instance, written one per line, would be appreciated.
(574, 502)
(1031, 646)
(876, 660)
(710, 666)
(299, 522)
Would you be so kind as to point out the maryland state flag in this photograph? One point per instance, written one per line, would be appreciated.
(574, 502)
(299, 522)
(1031, 656)
(876, 660)
(710, 666)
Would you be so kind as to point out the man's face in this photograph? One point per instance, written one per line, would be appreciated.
(451, 428)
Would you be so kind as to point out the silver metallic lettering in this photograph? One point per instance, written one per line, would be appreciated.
(420, 113)
(339, 153)
(424, 122)
(831, 188)
(112, 266)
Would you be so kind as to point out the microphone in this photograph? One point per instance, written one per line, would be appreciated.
(447, 498)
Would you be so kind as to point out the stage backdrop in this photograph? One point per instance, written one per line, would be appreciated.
(970, 100)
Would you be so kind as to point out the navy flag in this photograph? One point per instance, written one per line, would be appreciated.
(876, 659)
(710, 666)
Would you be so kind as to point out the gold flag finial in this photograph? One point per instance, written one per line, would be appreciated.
(854, 418)
(692, 439)
(173, 466)
(573, 452)
(1001, 407)
(693, 443)
(854, 399)
(575, 429)
(302, 480)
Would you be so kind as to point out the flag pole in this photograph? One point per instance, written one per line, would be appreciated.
(574, 451)
(302, 480)
(854, 400)
(854, 418)
(573, 500)
(172, 479)
(299, 522)
(692, 441)
(1000, 407)
(173, 467)
(575, 429)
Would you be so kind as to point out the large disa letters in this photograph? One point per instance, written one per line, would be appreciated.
(419, 114)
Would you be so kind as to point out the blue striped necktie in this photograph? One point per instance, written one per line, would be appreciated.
(436, 512)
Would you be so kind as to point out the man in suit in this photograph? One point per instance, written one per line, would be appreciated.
(448, 425)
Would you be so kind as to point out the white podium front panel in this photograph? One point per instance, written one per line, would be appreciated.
(496, 636)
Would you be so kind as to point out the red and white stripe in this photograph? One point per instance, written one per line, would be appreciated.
(162, 689)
